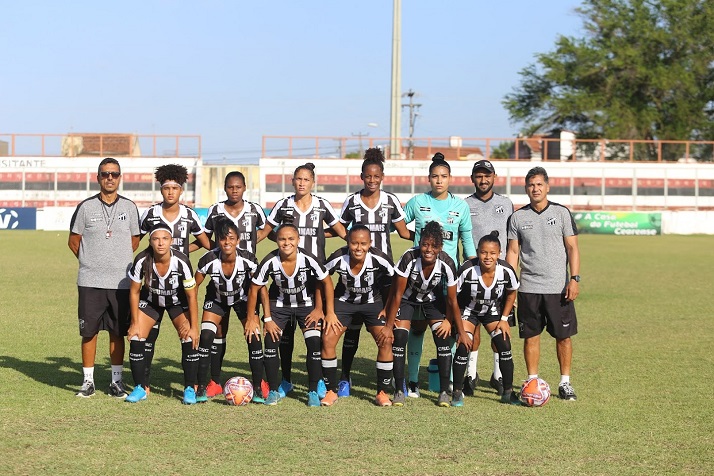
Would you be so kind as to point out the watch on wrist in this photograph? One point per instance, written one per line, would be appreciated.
(576, 278)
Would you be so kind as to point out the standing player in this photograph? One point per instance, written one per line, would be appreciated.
(378, 211)
(486, 293)
(249, 219)
(452, 213)
(104, 232)
(296, 274)
(361, 295)
(168, 285)
(183, 222)
(307, 212)
(544, 237)
(489, 211)
(419, 285)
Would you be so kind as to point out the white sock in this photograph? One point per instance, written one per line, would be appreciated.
(116, 372)
(496, 368)
(88, 374)
(530, 376)
(564, 379)
(473, 361)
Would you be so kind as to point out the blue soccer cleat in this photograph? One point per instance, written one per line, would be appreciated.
(344, 387)
(313, 400)
(136, 395)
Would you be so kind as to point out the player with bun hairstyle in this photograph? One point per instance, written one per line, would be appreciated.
(308, 213)
(378, 210)
(296, 274)
(249, 220)
(168, 285)
(417, 285)
(452, 213)
(482, 285)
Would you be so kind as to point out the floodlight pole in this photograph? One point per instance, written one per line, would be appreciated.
(395, 112)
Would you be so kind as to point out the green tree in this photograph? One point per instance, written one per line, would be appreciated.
(643, 70)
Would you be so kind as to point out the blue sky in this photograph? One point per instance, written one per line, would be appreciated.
(233, 71)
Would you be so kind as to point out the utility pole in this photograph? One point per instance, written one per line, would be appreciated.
(360, 135)
(395, 111)
(413, 108)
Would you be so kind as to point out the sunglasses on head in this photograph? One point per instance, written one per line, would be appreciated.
(108, 174)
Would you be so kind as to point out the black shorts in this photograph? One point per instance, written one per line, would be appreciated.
(156, 312)
(283, 315)
(224, 310)
(103, 310)
(431, 311)
(476, 319)
(546, 311)
(351, 315)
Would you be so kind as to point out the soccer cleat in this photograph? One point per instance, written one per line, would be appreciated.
(382, 399)
(329, 399)
(189, 395)
(285, 388)
(257, 399)
(136, 395)
(413, 390)
(444, 399)
(213, 389)
(321, 389)
(312, 399)
(264, 388)
(344, 387)
(566, 392)
(496, 384)
(398, 399)
(201, 396)
(457, 400)
(470, 384)
(511, 398)
(117, 389)
(273, 398)
(87, 389)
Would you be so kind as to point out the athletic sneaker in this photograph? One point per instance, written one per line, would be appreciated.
(189, 395)
(329, 399)
(201, 396)
(321, 389)
(382, 399)
(398, 399)
(87, 389)
(257, 398)
(312, 399)
(457, 400)
(511, 399)
(117, 389)
(264, 388)
(213, 389)
(136, 395)
(470, 385)
(285, 388)
(413, 390)
(566, 392)
(273, 398)
(496, 384)
(344, 387)
(444, 399)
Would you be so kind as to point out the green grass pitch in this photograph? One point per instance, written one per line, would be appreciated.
(642, 368)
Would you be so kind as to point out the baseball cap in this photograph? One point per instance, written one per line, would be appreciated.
(483, 164)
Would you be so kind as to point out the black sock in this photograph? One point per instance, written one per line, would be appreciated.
(137, 362)
(189, 363)
(349, 349)
(149, 352)
(443, 357)
(255, 360)
(287, 342)
(461, 363)
(401, 336)
(271, 362)
(505, 359)
(329, 373)
(314, 360)
(204, 355)
(384, 376)
(218, 351)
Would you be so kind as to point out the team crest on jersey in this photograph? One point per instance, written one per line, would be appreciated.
(302, 277)
(182, 228)
(245, 223)
(499, 209)
(383, 212)
(450, 220)
(369, 279)
(122, 216)
(240, 279)
(314, 216)
(550, 221)
(173, 280)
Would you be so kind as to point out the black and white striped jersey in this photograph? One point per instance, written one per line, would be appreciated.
(186, 223)
(378, 219)
(169, 289)
(421, 288)
(249, 221)
(475, 298)
(372, 282)
(309, 223)
(232, 289)
(296, 290)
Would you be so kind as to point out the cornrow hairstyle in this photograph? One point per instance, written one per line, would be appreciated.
(230, 175)
(439, 161)
(148, 265)
(490, 238)
(310, 167)
(537, 171)
(175, 172)
(108, 160)
(434, 231)
(373, 156)
(223, 226)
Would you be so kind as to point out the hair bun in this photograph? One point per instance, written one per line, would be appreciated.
(438, 157)
(494, 233)
(310, 166)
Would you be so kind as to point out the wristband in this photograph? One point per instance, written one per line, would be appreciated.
(504, 318)
(267, 319)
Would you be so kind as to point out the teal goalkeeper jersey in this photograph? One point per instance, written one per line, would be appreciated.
(453, 215)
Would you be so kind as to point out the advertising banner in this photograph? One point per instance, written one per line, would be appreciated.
(18, 218)
(619, 223)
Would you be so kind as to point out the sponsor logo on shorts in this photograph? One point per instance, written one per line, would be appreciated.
(81, 324)
(143, 304)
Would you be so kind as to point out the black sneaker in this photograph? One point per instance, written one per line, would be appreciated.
(511, 398)
(444, 399)
(470, 385)
(87, 389)
(496, 384)
(117, 389)
(566, 392)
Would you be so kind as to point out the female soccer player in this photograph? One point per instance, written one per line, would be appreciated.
(296, 275)
(377, 210)
(307, 212)
(453, 214)
(361, 293)
(168, 285)
(249, 219)
(230, 270)
(418, 286)
(482, 283)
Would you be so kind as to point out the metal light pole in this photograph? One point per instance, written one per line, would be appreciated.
(395, 112)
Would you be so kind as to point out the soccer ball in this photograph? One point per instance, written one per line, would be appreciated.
(535, 392)
(238, 391)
